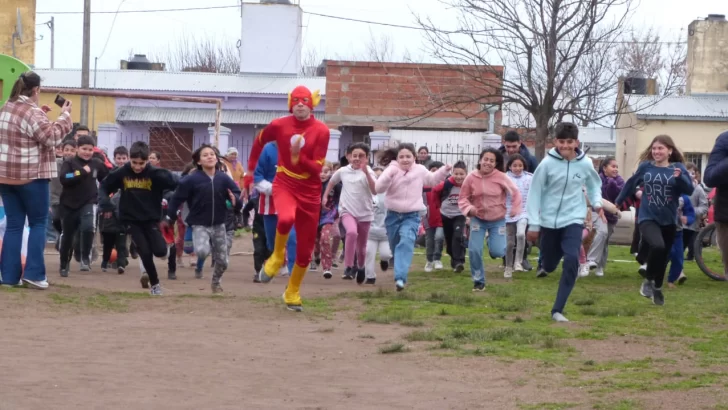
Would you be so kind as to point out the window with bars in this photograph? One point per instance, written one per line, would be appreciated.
(696, 158)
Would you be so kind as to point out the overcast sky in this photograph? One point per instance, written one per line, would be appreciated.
(150, 32)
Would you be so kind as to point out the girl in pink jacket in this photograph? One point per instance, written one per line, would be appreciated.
(402, 182)
(483, 198)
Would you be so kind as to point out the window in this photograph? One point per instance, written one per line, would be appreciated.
(695, 158)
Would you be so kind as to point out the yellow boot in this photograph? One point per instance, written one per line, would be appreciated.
(274, 263)
(292, 296)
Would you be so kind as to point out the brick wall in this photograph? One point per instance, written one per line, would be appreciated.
(385, 95)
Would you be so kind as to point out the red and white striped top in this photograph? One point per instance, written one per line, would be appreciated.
(265, 205)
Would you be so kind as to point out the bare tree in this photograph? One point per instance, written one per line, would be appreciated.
(648, 55)
(310, 62)
(554, 52)
(379, 49)
(200, 55)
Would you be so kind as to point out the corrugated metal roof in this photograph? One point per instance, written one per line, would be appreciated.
(200, 115)
(691, 108)
(142, 80)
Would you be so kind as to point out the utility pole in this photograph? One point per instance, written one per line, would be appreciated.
(52, 26)
(85, 59)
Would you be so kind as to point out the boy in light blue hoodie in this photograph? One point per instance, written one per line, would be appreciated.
(555, 208)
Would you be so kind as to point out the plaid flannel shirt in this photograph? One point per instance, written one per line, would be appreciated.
(28, 139)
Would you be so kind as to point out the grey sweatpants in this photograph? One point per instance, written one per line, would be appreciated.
(599, 250)
(212, 241)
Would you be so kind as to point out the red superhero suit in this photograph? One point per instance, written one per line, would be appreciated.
(302, 147)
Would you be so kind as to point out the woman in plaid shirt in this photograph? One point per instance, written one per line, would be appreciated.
(27, 164)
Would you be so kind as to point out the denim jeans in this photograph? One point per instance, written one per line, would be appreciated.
(496, 244)
(402, 232)
(24, 201)
(557, 243)
(434, 238)
(270, 222)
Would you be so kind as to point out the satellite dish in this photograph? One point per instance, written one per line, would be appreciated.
(18, 26)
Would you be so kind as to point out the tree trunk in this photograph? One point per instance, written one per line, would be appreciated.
(542, 135)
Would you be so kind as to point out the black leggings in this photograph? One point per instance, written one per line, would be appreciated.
(149, 243)
(656, 244)
(118, 241)
(454, 229)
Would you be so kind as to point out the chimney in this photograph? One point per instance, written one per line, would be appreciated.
(707, 55)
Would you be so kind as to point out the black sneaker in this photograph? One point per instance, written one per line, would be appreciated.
(371, 281)
(478, 287)
(541, 273)
(64, 272)
(327, 274)
(104, 266)
(384, 265)
(526, 265)
(172, 275)
(657, 297)
(348, 274)
(256, 278)
(459, 268)
(133, 251)
(318, 261)
(120, 270)
(360, 276)
(334, 265)
(198, 274)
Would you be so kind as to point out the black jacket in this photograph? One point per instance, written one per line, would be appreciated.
(141, 194)
(531, 160)
(716, 176)
(206, 198)
(79, 185)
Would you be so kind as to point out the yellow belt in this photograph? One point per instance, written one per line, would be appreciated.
(292, 174)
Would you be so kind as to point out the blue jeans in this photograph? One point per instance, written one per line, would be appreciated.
(557, 243)
(402, 233)
(270, 222)
(20, 201)
(496, 244)
(677, 258)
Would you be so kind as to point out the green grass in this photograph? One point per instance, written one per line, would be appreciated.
(393, 348)
(511, 321)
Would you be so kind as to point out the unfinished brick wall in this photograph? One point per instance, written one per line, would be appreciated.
(386, 95)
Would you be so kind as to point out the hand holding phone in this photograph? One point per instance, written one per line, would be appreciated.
(59, 100)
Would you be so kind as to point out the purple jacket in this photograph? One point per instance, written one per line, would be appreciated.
(611, 187)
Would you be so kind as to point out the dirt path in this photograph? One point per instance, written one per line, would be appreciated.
(202, 353)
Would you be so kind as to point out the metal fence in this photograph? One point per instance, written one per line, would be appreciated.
(449, 154)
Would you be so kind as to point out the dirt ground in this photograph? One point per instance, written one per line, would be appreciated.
(234, 353)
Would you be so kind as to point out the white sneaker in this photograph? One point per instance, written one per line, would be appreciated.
(599, 272)
(508, 273)
(558, 317)
(518, 267)
(643, 270)
(584, 270)
(428, 267)
(437, 265)
(36, 284)
(592, 264)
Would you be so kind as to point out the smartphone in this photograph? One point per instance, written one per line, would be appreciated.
(60, 100)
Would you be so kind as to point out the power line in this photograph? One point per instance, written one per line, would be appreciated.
(140, 11)
(354, 20)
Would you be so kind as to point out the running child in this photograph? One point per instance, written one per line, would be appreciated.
(328, 223)
(78, 202)
(612, 185)
(665, 179)
(209, 193)
(260, 249)
(434, 234)
(483, 199)
(685, 217)
(555, 209)
(699, 201)
(356, 207)
(516, 225)
(453, 220)
(402, 181)
(377, 242)
(140, 206)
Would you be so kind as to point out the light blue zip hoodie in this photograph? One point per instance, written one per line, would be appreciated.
(556, 199)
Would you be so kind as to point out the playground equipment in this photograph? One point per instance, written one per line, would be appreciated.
(10, 70)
